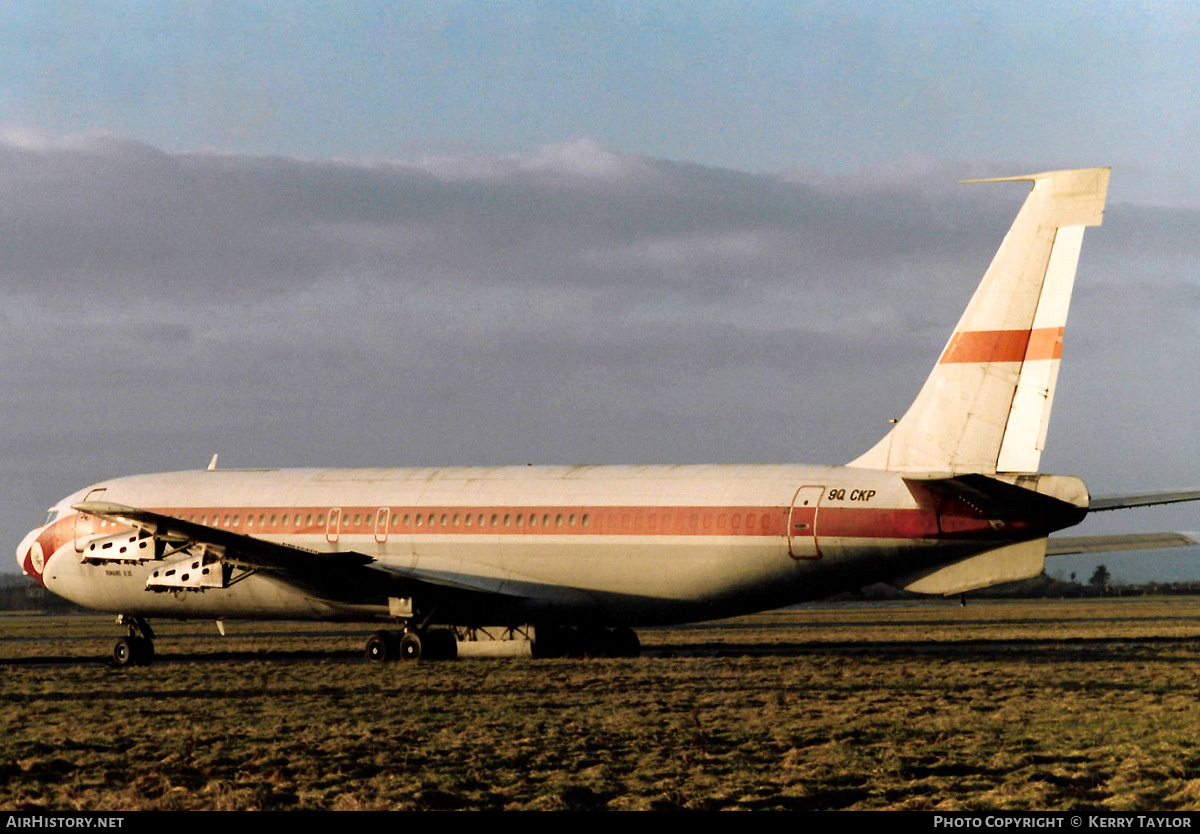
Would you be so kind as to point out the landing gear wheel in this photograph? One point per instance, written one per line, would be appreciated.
(553, 641)
(550, 641)
(441, 645)
(411, 646)
(381, 647)
(624, 642)
(133, 651)
(123, 652)
(145, 651)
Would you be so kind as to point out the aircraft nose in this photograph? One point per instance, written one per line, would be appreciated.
(30, 556)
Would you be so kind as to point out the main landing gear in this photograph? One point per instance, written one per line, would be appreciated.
(586, 642)
(414, 644)
(536, 642)
(138, 648)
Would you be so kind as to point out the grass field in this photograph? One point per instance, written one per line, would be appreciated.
(1040, 705)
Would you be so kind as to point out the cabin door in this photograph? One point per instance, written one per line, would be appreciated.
(381, 524)
(333, 526)
(802, 523)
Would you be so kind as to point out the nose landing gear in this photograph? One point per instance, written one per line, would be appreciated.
(138, 648)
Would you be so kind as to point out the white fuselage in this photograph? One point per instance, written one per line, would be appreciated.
(631, 545)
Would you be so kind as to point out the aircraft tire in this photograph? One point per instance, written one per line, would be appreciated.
(133, 651)
(441, 645)
(411, 646)
(122, 653)
(381, 647)
(625, 643)
(144, 649)
(125, 652)
(550, 642)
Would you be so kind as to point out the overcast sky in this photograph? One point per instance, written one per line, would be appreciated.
(461, 233)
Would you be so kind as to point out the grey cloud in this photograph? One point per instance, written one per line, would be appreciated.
(123, 218)
(570, 304)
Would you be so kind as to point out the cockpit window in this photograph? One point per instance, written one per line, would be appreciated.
(51, 516)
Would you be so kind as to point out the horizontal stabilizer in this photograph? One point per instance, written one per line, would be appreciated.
(1142, 499)
(1061, 546)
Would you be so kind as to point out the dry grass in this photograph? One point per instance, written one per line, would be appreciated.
(1061, 706)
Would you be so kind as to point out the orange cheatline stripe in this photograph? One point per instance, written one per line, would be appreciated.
(581, 521)
(1004, 345)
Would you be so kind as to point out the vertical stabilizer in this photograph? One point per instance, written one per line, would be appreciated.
(986, 404)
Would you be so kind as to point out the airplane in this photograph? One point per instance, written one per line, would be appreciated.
(567, 560)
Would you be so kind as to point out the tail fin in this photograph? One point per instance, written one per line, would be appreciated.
(986, 404)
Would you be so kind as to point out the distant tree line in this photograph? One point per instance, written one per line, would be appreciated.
(20, 593)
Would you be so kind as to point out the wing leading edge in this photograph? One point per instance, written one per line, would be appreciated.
(239, 549)
(345, 576)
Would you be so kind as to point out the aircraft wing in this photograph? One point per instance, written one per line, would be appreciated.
(240, 550)
(345, 576)
(1101, 503)
(1060, 546)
